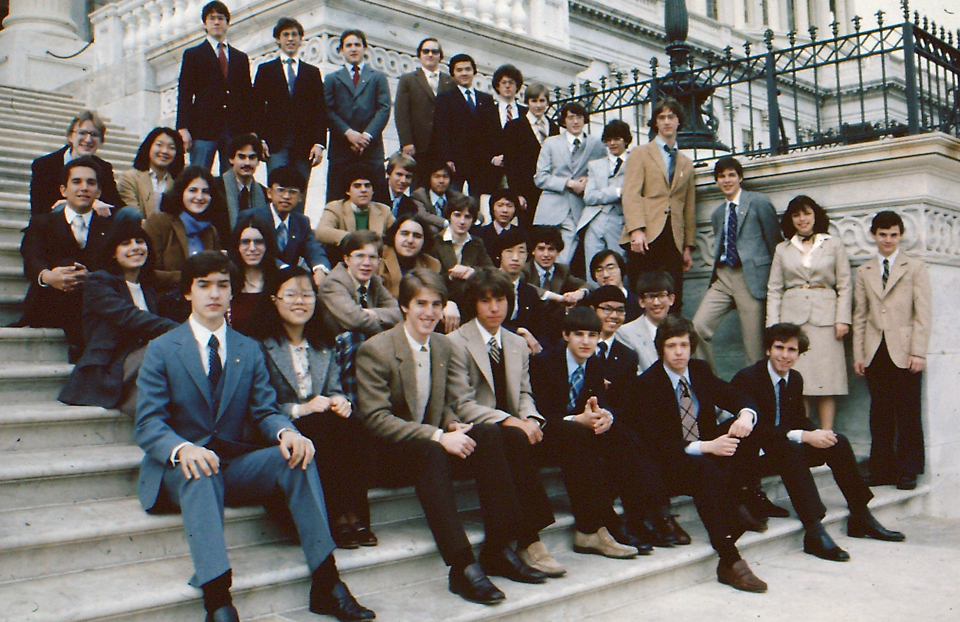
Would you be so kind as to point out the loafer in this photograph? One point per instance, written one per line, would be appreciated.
(740, 577)
(762, 507)
(365, 536)
(345, 536)
(473, 584)
(507, 564)
(627, 538)
(537, 556)
(339, 603)
(749, 521)
(864, 525)
(602, 543)
(817, 542)
(224, 614)
(907, 482)
(671, 531)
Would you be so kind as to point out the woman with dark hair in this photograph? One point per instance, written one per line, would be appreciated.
(159, 161)
(810, 286)
(119, 318)
(305, 374)
(252, 250)
(184, 226)
(406, 245)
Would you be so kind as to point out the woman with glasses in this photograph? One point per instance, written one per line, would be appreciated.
(304, 372)
(609, 268)
(253, 252)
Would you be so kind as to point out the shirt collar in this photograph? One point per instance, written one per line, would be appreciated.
(662, 143)
(357, 284)
(464, 89)
(609, 342)
(500, 229)
(448, 236)
(70, 214)
(653, 327)
(349, 68)
(774, 376)
(572, 363)
(735, 200)
(296, 62)
(675, 378)
(214, 44)
(892, 258)
(202, 334)
(276, 217)
(240, 185)
(416, 346)
(541, 270)
(532, 118)
(486, 335)
(428, 73)
(570, 137)
(613, 159)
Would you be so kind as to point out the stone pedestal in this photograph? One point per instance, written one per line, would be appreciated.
(39, 45)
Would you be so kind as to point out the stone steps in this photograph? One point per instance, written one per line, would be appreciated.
(30, 383)
(28, 427)
(32, 345)
(12, 283)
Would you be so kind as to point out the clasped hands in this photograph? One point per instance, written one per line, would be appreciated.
(599, 419)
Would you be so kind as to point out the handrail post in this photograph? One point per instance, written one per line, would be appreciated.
(910, 78)
(773, 103)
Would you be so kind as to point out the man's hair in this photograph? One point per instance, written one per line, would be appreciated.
(654, 281)
(784, 332)
(433, 167)
(203, 263)
(142, 161)
(389, 236)
(214, 7)
(172, 201)
(572, 108)
(727, 163)
(667, 103)
(535, 90)
(617, 129)
(885, 220)
(358, 170)
(461, 202)
(120, 232)
(545, 234)
(88, 115)
(417, 279)
(287, 177)
(581, 318)
(461, 58)
(403, 161)
(486, 282)
(600, 257)
(514, 236)
(505, 193)
(675, 326)
(355, 240)
(286, 23)
(605, 293)
(240, 141)
(821, 222)
(356, 32)
(507, 71)
(437, 41)
(83, 161)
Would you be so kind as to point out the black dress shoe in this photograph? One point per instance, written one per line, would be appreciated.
(224, 614)
(817, 542)
(749, 521)
(631, 538)
(864, 525)
(345, 536)
(762, 507)
(671, 532)
(649, 534)
(365, 536)
(880, 480)
(907, 482)
(340, 603)
(473, 584)
(507, 564)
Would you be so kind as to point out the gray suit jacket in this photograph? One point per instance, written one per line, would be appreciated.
(555, 167)
(758, 233)
(324, 373)
(364, 108)
(231, 192)
(603, 190)
(636, 336)
(413, 109)
(339, 304)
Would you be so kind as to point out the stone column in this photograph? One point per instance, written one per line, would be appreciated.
(50, 17)
(35, 33)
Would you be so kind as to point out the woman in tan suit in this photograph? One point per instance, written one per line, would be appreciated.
(357, 211)
(810, 285)
(159, 161)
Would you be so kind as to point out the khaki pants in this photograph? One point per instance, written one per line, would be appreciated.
(727, 293)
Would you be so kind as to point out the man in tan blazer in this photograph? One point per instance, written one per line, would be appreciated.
(659, 203)
(415, 399)
(891, 332)
(357, 211)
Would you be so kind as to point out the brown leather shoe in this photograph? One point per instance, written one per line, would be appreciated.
(749, 521)
(602, 543)
(537, 556)
(740, 577)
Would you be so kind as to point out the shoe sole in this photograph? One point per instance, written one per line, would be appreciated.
(495, 601)
(585, 550)
(742, 589)
(858, 534)
(828, 559)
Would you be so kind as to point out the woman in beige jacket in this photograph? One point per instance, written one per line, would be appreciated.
(810, 285)
(158, 162)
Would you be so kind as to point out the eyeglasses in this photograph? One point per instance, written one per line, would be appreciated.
(290, 192)
(87, 134)
(610, 267)
(613, 310)
(660, 295)
(291, 296)
(429, 51)
(364, 257)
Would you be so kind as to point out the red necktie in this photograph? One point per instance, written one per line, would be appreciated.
(356, 75)
(222, 57)
(509, 112)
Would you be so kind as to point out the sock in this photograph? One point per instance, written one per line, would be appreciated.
(525, 540)
(727, 550)
(216, 592)
(462, 559)
(326, 575)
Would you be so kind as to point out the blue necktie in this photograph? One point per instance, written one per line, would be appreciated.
(291, 77)
(672, 158)
(216, 367)
(282, 236)
(730, 237)
(576, 383)
(470, 102)
(781, 386)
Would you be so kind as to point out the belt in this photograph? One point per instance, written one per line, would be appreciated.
(808, 286)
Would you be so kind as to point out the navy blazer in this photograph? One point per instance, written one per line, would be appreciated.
(463, 137)
(175, 402)
(364, 108)
(281, 116)
(45, 181)
(540, 317)
(208, 104)
(619, 371)
(551, 384)
(301, 242)
(755, 382)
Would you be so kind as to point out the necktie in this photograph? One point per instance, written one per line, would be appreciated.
(356, 74)
(470, 102)
(616, 168)
(439, 206)
(213, 356)
(80, 231)
(688, 414)
(434, 80)
(222, 57)
(886, 270)
(781, 387)
(362, 291)
(291, 77)
(509, 112)
(282, 236)
(493, 348)
(576, 146)
(672, 167)
(396, 204)
(545, 280)
(576, 383)
(602, 350)
(730, 237)
(541, 130)
(243, 200)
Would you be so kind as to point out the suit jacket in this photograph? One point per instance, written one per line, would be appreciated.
(113, 327)
(302, 245)
(521, 149)
(551, 384)
(168, 237)
(175, 402)
(555, 167)
(755, 382)
(619, 371)
(338, 220)
(339, 304)
(648, 197)
(435, 218)
(136, 189)
(758, 233)
(324, 373)
(391, 274)
(463, 137)
(300, 117)
(603, 191)
(821, 294)
(413, 109)
(45, 176)
(474, 254)
(561, 280)
(229, 188)
(656, 411)
(489, 235)
(208, 104)
(516, 363)
(364, 108)
(900, 314)
(540, 317)
(636, 336)
(387, 388)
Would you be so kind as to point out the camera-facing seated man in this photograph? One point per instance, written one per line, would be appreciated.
(200, 386)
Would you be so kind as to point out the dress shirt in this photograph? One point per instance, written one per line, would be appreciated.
(216, 47)
(457, 247)
(663, 151)
(516, 298)
(570, 138)
(487, 336)
(463, 91)
(421, 357)
(502, 108)
(612, 160)
(806, 257)
(540, 131)
(499, 229)
(726, 218)
(136, 292)
(609, 343)
(295, 66)
(794, 435)
(433, 78)
(572, 365)
(892, 258)
(241, 185)
(693, 448)
(159, 185)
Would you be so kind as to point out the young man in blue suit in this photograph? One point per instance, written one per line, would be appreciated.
(199, 387)
(358, 108)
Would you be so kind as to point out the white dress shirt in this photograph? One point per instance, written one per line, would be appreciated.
(793, 435)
